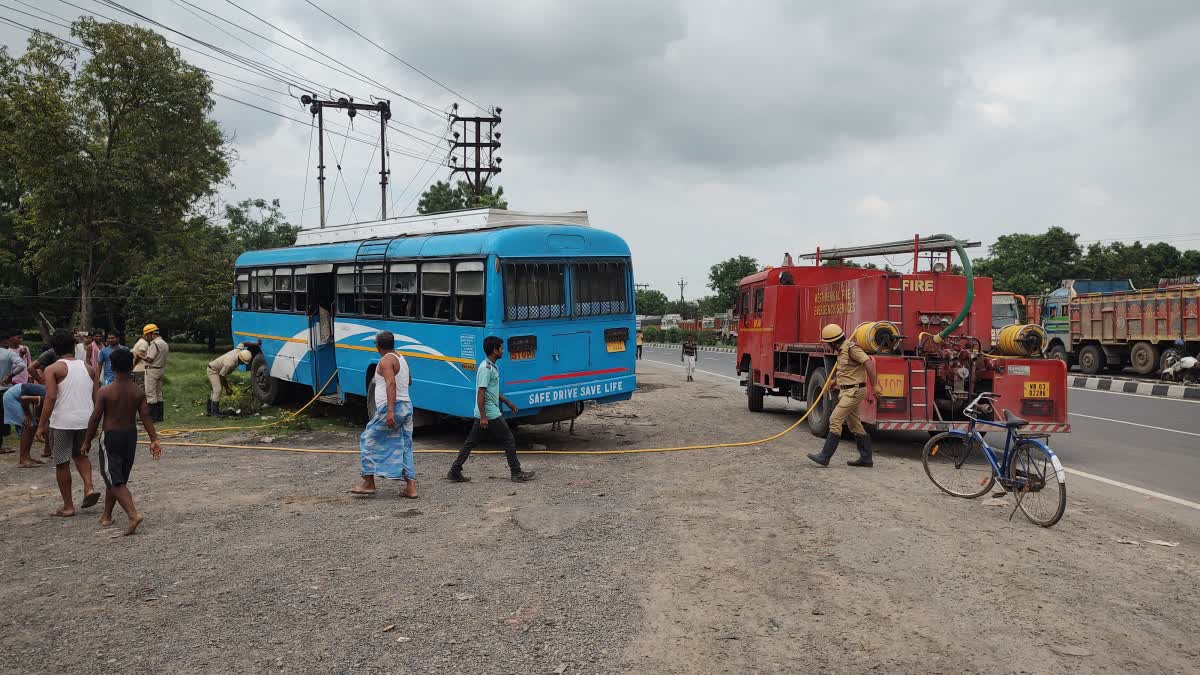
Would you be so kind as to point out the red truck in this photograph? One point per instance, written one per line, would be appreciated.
(933, 350)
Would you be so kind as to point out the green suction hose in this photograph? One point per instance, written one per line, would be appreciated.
(969, 273)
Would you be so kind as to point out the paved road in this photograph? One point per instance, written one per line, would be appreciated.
(1151, 443)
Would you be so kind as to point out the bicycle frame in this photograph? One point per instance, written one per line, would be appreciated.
(1001, 468)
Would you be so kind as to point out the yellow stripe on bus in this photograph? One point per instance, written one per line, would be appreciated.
(271, 337)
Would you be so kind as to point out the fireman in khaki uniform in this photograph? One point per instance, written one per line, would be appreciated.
(219, 369)
(156, 362)
(854, 368)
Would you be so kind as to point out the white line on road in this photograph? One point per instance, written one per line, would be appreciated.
(1134, 488)
(1135, 424)
(674, 365)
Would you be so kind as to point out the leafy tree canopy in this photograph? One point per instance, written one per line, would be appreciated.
(442, 196)
(258, 224)
(723, 278)
(651, 302)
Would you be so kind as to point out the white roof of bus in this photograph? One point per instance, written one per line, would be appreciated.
(438, 223)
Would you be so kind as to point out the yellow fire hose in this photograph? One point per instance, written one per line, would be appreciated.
(321, 451)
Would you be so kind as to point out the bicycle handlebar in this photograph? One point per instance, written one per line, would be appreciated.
(970, 411)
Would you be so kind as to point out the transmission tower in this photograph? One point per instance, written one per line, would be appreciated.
(317, 107)
(479, 170)
(682, 284)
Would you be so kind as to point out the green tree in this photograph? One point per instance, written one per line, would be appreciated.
(688, 309)
(257, 224)
(442, 196)
(1030, 263)
(710, 305)
(723, 277)
(650, 302)
(186, 285)
(112, 151)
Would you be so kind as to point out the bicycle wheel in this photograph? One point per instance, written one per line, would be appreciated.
(957, 465)
(1033, 481)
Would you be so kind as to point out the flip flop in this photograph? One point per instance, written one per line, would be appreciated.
(90, 500)
(60, 514)
(31, 466)
(412, 497)
(7, 452)
(361, 493)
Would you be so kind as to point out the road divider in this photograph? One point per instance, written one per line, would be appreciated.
(1139, 387)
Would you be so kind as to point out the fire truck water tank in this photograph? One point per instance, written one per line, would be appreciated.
(1021, 340)
(876, 336)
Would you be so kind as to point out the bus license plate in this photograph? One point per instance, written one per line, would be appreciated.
(616, 347)
(1037, 390)
(521, 356)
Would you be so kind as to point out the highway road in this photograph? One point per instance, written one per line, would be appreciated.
(1143, 443)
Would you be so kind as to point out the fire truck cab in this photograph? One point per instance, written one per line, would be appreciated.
(928, 372)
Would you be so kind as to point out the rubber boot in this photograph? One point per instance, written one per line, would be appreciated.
(214, 409)
(158, 411)
(864, 452)
(826, 454)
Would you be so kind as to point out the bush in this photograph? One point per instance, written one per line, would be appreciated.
(706, 338)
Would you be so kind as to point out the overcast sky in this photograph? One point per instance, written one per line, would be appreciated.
(705, 129)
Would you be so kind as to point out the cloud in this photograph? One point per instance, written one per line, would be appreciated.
(1091, 196)
(874, 208)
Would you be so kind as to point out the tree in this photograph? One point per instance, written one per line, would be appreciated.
(710, 305)
(1030, 263)
(723, 278)
(111, 151)
(441, 196)
(650, 302)
(257, 224)
(687, 309)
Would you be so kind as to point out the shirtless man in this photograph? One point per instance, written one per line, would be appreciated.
(70, 395)
(119, 404)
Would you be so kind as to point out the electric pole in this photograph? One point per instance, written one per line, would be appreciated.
(479, 171)
(317, 107)
(682, 283)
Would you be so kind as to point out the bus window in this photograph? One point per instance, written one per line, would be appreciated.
(758, 300)
(283, 289)
(301, 286)
(468, 291)
(369, 290)
(534, 291)
(403, 293)
(435, 291)
(243, 291)
(266, 289)
(345, 289)
(744, 307)
(599, 288)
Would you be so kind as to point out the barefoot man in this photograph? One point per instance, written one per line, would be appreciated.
(119, 404)
(20, 411)
(70, 397)
(386, 443)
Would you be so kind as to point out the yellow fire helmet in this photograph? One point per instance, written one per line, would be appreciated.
(150, 328)
(245, 356)
(832, 333)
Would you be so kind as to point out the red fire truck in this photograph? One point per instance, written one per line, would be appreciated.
(932, 345)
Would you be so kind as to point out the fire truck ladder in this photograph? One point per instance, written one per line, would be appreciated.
(895, 300)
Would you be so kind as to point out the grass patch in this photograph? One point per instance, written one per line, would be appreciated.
(186, 391)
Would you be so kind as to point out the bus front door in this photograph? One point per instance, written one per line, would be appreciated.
(321, 336)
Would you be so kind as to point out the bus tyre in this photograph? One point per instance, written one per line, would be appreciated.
(266, 388)
(369, 408)
(1091, 359)
(754, 396)
(819, 409)
(1059, 352)
(1144, 358)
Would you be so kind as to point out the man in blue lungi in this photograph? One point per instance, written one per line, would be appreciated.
(386, 443)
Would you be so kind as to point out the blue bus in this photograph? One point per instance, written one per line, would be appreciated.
(557, 291)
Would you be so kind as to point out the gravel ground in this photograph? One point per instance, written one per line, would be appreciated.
(730, 560)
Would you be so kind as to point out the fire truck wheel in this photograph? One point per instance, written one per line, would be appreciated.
(1091, 359)
(818, 419)
(754, 397)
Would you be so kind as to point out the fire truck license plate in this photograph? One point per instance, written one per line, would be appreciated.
(616, 346)
(1037, 390)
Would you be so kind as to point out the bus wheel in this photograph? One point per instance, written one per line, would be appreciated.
(754, 395)
(266, 388)
(819, 409)
(1091, 359)
(370, 402)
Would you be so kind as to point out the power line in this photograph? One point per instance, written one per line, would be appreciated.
(385, 51)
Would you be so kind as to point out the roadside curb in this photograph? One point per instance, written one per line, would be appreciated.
(1161, 389)
(663, 345)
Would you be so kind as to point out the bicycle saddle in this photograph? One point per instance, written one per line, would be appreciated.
(1012, 421)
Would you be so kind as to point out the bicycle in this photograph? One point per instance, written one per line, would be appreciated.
(1029, 470)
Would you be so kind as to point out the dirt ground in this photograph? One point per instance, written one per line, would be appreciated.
(729, 560)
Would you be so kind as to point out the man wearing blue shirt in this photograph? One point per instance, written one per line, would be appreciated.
(105, 357)
(488, 417)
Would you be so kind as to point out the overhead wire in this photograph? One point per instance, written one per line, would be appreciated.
(363, 183)
(389, 53)
(307, 168)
